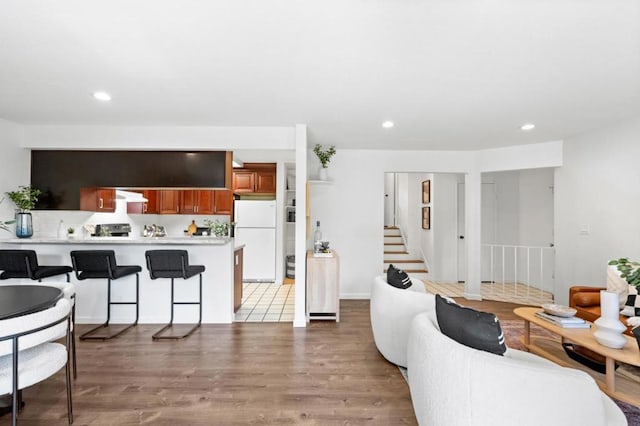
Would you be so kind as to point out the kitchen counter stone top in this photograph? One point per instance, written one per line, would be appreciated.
(122, 240)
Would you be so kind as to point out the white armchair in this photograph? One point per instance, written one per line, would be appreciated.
(392, 310)
(456, 385)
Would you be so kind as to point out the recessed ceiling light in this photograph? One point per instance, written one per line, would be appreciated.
(102, 96)
(527, 127)
(388, 124)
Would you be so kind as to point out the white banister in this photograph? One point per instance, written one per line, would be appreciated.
(532, 266)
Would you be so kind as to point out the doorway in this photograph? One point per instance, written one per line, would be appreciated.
(488, 230)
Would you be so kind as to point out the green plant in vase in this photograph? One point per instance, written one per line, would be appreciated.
(324, 155)
(629, 270)
(25, 198)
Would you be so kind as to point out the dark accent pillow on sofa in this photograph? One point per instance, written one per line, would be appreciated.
(478, 330)
(398, 278)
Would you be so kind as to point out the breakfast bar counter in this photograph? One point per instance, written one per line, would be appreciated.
(216, 254)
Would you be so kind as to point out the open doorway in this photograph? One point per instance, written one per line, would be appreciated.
(516, 234)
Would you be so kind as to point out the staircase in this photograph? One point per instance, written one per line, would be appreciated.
(395, 252)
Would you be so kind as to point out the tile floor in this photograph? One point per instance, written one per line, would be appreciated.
(266, 302)
(509, 292)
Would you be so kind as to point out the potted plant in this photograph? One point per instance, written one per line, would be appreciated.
(70, 232)
(324, 155)
(217, 228)
(629, 270)
(25, 199)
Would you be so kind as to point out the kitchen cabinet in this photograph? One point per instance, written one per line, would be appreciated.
(243, 181)
(223, 202)
(258, 178)
(144, 207)
(237, 279)
(266, 182)
(168, 201)
(323, 289)
(197, 201)
(98, 199)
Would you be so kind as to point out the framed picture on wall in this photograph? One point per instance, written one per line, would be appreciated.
(426, 192)
(426, 218)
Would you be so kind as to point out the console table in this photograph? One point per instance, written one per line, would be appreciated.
(323, 295)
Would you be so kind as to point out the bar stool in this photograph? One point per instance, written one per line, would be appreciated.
(174, 264)
(23, 264)
(90, 264)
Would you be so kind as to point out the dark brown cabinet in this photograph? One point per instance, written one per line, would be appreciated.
(144, 207)
(237, 279)
(223, 202)
(168, 201)
(243, 181)
(98, 199)
(257, 178)
(197, 201)
(266, 182)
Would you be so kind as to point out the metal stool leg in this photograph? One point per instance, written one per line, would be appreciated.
(158, 334)
(89, 335)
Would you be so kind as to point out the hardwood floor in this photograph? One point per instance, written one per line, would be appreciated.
(238, 374)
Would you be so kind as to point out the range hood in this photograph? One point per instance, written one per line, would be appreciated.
(130, 197)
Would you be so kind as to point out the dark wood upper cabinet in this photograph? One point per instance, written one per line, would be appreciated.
(223, 202)
(243, 181)
(258, 178)
(168, 201)
(266, 182)
(197, 201)
(98, 199)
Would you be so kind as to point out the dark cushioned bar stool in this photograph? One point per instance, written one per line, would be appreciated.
(90, 264)
(23, 264)
(174, 264)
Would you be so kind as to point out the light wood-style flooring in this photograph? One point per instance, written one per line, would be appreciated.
(238, 374)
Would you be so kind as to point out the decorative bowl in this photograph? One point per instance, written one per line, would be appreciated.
(559, 310)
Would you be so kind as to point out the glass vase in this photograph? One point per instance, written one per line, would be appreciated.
(24, 225)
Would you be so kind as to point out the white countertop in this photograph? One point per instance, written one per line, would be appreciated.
(122, 240)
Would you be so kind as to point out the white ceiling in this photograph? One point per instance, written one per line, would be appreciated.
(452, 74)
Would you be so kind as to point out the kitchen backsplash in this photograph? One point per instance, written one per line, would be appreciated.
(47, 222)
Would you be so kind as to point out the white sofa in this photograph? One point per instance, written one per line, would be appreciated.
(392, 310)
(454, 385)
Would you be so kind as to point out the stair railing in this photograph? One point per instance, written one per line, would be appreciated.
(529, 270)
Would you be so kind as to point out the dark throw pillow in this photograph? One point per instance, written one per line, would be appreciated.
(478, 330)
(398, 278)
(632, 307)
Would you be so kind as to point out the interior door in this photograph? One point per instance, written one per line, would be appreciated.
(488, 231)
(389, 199)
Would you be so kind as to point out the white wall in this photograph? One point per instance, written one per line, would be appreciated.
(402, 204)
(536, 207)
(597, 205)
(15, 170)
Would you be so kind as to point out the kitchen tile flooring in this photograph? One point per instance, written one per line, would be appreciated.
(266, 302)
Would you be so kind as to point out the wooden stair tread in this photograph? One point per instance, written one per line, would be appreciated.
(393, 244)
(391, 227)
(412, 271)
(395, 252)
(403, 261)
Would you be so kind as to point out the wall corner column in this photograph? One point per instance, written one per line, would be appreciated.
(473, 225)
(300, 317)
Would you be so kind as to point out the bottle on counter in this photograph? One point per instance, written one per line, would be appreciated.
(192, 228)
(62, 232)
(317, 238)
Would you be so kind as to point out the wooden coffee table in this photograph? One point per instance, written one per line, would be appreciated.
(626, 389)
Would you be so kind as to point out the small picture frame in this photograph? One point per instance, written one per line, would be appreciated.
(426, 218)
(426, 192)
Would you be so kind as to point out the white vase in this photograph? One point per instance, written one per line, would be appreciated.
(608, 327)
(323, 173)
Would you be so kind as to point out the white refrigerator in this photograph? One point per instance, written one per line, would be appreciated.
(256, 229)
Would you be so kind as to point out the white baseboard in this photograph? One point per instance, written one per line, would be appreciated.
(472, 296)
(366, 296)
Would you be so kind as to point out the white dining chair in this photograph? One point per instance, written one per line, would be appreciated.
(27, 355)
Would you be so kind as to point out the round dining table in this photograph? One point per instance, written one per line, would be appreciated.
(18, 300)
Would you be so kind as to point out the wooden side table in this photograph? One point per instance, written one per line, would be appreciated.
(323, 288)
